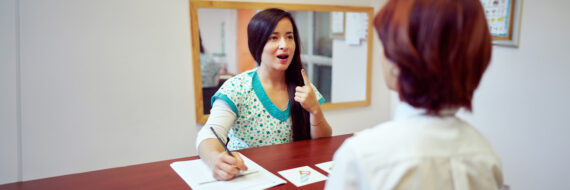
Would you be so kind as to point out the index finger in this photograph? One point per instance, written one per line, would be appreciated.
(240, 163)
(235, 161)
(305, 78)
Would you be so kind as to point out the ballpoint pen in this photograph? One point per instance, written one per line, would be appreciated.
(221, 142)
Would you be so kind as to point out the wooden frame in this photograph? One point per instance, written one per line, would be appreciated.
(503, 17)
(195, 4)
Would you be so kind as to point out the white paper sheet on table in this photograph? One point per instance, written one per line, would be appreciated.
(302, 175)
(199, 176)
(326, 166)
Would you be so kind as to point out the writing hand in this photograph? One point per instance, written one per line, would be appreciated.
(306, 96)
(226, 166)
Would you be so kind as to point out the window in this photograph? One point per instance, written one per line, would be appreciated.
(316, 48)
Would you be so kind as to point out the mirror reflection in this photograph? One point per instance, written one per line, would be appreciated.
(334, 50)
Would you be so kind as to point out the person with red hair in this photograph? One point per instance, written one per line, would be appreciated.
(435, 53)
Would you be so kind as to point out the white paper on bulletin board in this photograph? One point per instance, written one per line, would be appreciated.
(337, 22)
(356, 28)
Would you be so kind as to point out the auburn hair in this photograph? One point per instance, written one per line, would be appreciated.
(259, 29)
(441, 48)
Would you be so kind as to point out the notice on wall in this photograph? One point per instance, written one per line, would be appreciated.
(356, 27)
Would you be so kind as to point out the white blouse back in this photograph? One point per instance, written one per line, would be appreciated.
(417, 151)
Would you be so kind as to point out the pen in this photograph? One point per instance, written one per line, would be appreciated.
(221, 142)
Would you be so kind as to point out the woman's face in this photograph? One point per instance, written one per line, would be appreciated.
(280, 47)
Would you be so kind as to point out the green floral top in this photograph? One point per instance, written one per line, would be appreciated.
(259, 122)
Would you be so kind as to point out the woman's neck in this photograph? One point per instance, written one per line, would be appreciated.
(268, 76)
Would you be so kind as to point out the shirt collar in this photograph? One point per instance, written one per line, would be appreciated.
(405, 110)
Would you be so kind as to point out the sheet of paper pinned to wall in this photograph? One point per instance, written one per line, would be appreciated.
(337, 23)
(198, 176)
(356, 27)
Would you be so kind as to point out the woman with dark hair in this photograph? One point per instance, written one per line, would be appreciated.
(435, 53)
(271, 104)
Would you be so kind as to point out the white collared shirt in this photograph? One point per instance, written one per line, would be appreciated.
(417, 151)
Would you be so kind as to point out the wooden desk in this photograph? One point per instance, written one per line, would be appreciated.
(159, 175)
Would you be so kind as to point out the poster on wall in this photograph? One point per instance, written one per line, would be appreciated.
(337, 24)
(503, 17)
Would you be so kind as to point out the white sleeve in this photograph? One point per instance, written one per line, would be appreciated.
(346, 174)
(221, 119)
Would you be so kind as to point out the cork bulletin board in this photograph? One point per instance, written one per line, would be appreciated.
(503, 17)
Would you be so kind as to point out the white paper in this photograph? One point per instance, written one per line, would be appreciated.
(302, 175)
(352, 36)
(326, 166)
(337, 22)
(356, 27)
(199, 176)
(363, 26)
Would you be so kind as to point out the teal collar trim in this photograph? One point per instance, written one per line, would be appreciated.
(265, 101)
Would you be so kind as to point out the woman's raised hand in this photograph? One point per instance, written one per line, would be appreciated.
(306, 96)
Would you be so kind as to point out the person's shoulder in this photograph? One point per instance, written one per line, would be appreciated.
(362, 140)
(384, 131)
(248, 73)
(475, 139)
(236, 87)
(239, 79)
(244, 76)
(387, 141)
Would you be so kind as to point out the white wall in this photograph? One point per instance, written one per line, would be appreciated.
(522, 104)
(104, 84)
(109, 83)
(9, 135)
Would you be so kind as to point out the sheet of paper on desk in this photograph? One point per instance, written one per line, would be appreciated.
(199, 176)
(326, 166)
(302, 175)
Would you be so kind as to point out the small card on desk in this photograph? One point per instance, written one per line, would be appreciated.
(326, 166)
(302, 175)
(199, 176)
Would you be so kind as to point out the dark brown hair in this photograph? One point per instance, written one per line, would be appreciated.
(441, 48)
(258, 31)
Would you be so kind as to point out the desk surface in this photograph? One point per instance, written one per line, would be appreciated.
(159, 175)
